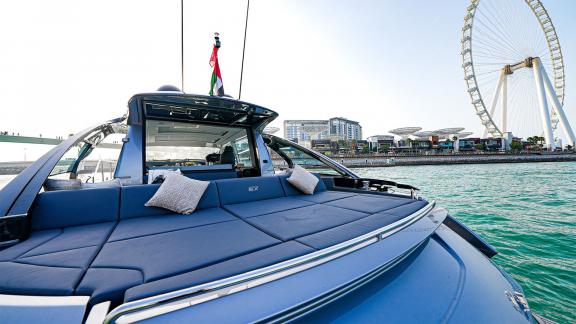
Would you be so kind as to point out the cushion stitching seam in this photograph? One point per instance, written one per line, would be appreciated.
(52, 238)
(170, 231)
(278, 211)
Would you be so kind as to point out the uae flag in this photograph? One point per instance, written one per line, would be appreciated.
(216, 86)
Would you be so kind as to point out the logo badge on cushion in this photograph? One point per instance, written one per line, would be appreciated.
(253, 188)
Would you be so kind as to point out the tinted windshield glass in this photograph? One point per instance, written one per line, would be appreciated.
(94, 158)
(286, 153)
(170, 144)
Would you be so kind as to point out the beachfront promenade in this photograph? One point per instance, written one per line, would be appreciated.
(399, 160)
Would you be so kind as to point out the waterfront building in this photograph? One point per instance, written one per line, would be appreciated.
(324, 146)
(305, 130)
(345, 129)
(377, 143)
(468, 144)
(491, 144)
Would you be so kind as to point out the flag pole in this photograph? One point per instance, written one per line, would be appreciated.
(243, 49)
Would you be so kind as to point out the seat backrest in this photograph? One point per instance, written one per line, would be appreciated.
(227, 156)
(234, 191)
(134, 197)
(64, 208)
(211, 174)
(292, 191)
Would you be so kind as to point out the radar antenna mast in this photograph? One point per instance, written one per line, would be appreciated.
(243, 49)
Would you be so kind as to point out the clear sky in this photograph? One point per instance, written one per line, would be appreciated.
(65, 65)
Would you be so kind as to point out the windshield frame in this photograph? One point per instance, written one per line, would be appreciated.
(331, 164)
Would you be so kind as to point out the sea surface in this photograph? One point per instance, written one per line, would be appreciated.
(527, 211)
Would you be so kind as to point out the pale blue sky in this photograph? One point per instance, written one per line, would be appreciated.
(68, 64)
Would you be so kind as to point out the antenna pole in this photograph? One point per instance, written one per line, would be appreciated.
(182, 43)
(243, 49)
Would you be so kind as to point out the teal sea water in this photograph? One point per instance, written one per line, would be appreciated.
(526, 211)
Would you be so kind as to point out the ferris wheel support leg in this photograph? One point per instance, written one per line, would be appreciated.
(544, 112)
(568, 131)
(495, 98)
(504, 104)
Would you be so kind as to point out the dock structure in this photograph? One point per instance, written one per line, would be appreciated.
(47, 141)
(29, 140)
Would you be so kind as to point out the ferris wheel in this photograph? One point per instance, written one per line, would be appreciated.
(514, 69)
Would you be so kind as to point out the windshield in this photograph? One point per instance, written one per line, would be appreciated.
(285, 154)
(176, 144)
(94, 158)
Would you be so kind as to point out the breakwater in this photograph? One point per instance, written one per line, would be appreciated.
(388, 161)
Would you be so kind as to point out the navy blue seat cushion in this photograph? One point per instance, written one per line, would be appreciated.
(325, 196)
(368, 203)
(51, 262)
(134, 198)
(167, 254)
(293, 223)
(362, 226)
(108, 284)
(57, 209)
(241, 264)
(234, 191)
(260, 207)
(290, 190)
(141, 226)
(211, 175)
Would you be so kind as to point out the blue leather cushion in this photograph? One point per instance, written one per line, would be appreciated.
(234, 191)
(362, 226)
(142, 226)
(211, 175)
(290, 190)
(325, 196)
(407, 209)
(56, 209)
(241, 264)
(260, 207)
(134, 198)
(27, 279)
(167, 254)
(104, 284)
(51, 262)
(298, 222)
(368, 203)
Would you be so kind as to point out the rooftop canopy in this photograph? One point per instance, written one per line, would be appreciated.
(403, 131)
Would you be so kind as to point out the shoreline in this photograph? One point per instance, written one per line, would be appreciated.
(455, 159)
(14, 168)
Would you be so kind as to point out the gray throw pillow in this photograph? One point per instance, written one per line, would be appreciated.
(303, 180)
(178, 194)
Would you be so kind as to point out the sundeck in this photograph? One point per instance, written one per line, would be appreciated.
(78, 242)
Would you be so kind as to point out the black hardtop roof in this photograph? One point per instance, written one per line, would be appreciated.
(179, 106)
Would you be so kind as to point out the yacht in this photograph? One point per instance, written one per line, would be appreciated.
(78, 244)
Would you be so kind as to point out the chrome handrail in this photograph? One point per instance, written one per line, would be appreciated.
(179, 299)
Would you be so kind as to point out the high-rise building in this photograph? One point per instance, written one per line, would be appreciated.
(345, 129)
(305, 130)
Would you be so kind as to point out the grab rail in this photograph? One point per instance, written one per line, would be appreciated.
(175, 300)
